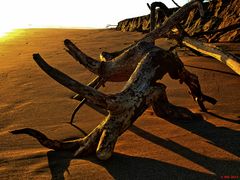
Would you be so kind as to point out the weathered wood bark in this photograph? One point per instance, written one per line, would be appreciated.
(116, 69)
(148, 64)
(211, 50)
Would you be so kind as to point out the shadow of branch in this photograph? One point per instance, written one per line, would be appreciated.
(217, 166)
(236, 121)
(224, 138)
(122, 166)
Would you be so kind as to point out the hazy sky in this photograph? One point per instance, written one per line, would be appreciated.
(71, 13)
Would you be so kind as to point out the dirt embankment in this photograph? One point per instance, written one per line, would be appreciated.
(219, 14)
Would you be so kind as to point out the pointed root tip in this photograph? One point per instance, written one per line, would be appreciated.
(37, 58)
(214, 101)
(67, 41)
(209, 99)
(18, 131)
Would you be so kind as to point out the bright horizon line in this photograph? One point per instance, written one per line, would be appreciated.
(84, 14)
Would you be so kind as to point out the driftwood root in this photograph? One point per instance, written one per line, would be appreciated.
(142, 64)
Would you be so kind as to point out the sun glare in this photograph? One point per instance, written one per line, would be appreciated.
(10, 33)
(5, 30)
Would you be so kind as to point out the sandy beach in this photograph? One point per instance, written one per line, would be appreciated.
(152, 148)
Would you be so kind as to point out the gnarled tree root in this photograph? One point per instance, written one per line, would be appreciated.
(140, 92)
(118, 68)
(148, 64)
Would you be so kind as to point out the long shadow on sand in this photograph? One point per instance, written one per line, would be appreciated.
(58, 163)
(236, 121)
(122, 166)
(224, 138)
(219, 167)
